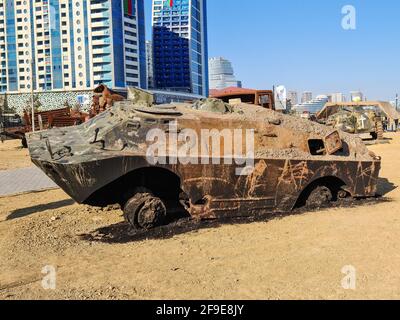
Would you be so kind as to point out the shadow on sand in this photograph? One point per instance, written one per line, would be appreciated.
(385, 186)
(19, 213)
(123, 233)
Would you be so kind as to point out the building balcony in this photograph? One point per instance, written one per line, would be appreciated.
(102, 59)
(102, 50)
(99, 6)
(99, 42)
(100, 15)
(102, 78)
(100, 23)
(104, 68)
(100, 32)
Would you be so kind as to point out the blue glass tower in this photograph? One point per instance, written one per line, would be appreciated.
(56, 57)
(180, 52)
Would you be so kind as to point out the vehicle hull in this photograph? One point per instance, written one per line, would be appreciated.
(215, 190)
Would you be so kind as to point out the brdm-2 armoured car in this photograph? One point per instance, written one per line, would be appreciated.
(206, 159)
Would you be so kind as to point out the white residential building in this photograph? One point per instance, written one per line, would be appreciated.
(337, 97)
(67, 45)
(293, 97)
(306, 96)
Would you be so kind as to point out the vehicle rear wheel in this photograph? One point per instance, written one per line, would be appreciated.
(24, 143)
(145, 211)
(319, 197)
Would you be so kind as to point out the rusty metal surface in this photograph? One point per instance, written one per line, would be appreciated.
(13, 132)
(63, 117)
(104, 160)
(251, 96)
(333, 143)
(103, 99)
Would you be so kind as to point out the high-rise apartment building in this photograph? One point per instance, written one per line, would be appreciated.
(180, 45)
(293, 97)
(306, 96)
(337, 97)
(61, 44)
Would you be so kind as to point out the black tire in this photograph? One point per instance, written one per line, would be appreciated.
(145, 211)
(319, 197)
(24, 143)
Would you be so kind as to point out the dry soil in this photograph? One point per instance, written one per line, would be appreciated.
(13, 156)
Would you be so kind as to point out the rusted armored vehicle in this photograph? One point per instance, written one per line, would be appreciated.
(103, 99)
(64, 117)
(262, 98)
(206, 160)
(367, 119)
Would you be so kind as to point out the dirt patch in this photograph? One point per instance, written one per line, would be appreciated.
(13, 156)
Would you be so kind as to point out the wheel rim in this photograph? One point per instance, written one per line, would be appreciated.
(145, 211)
(151, 214)
(319, 197)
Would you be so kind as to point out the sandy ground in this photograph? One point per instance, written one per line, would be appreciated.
(293, 257)
(13, 156)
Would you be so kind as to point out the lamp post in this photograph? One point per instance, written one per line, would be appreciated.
(397, 101)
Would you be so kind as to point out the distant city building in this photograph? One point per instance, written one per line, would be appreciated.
(356, 96)
(221, 74)
(313, 106)
(293, 97)
(149, 62)
(71, 45)
(180, 45)
(337, 97)
(306, 96)
(395, 104)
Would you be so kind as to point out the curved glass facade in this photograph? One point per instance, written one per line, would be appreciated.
(221, 74)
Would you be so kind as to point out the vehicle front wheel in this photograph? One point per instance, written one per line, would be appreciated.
(145, 211)
(319, 197)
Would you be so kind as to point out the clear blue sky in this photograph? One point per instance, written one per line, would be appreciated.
(302, 45)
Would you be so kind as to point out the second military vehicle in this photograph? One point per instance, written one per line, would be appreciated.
(366, 119)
